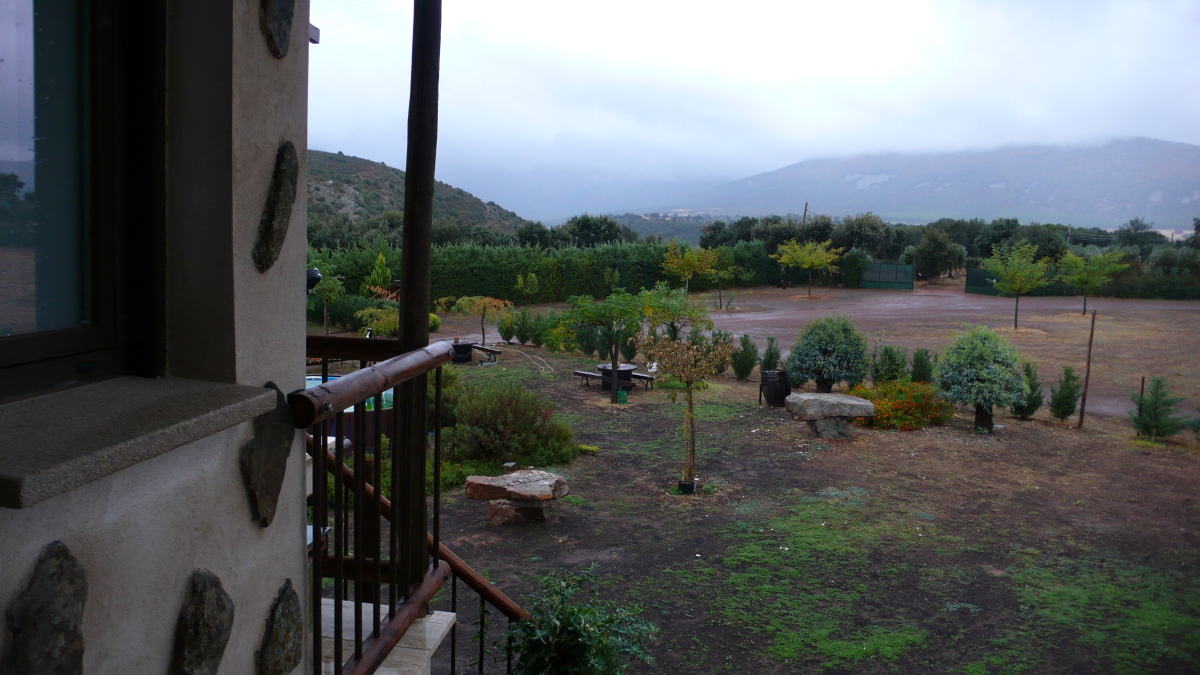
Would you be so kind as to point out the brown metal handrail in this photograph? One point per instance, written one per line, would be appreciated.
(319, 404)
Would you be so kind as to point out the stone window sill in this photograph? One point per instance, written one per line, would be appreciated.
(57, 442)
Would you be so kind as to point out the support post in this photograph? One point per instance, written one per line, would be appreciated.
(415, 286)
(1087, 373)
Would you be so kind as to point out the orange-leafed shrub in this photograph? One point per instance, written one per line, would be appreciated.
(904, 405)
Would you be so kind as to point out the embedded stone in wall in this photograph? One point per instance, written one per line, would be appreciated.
(264, 458)
(277, 212)
(206, 624)
(47, 618)
(282, 646)
(275, 17)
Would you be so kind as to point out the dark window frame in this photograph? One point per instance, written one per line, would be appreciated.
(125, 183)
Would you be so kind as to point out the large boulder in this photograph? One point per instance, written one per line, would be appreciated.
(523, 485)
(811, 407)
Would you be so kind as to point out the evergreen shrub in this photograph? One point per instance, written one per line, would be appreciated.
(981, 369)
(830, 350)
(1064, 395)
(923, 362)
(1154, 414)
(771, 355)
(1035, 397)
(744, 358)
(888, 364)
(502, 420)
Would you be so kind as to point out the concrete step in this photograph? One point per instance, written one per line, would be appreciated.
(412, 654)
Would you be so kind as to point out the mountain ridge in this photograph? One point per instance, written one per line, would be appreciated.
(1101, 185)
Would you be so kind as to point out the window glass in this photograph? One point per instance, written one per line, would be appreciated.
(44, 260)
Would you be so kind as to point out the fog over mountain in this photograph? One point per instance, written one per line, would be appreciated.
(1100, 185)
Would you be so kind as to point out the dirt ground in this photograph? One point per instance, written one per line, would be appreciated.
(1038, 549)
(1134, 338)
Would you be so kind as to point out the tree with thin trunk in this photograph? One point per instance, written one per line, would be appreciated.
(688, 262)
(483, 306)
(1018, 272)
(692, 363)
(724, 268)
(616, 317)
(1090, 274)
(810, 256)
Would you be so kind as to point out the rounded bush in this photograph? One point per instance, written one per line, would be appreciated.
(435, 322)
(980, 368)
(830, 350)
(904, 405)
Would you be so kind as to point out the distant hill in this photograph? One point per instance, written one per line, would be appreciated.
(359, 188)
(1090, 186)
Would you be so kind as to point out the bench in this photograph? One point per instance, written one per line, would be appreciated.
(489, 354)
(586, 378)
(647, 380)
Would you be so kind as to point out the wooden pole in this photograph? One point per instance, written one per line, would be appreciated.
(804, 218)
(1087, 373)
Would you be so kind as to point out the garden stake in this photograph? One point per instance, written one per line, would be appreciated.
(1087, 373)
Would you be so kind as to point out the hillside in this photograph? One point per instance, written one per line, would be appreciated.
(358, 188)
(1090, 186)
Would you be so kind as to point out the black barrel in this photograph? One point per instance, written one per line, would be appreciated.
(775, 387)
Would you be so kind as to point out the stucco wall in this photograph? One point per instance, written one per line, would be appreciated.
(140, 533)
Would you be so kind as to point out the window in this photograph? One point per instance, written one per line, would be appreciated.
(74, 77)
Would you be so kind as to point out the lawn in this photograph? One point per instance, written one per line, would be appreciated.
(1038, 549)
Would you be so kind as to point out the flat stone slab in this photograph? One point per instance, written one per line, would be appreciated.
(810, 407)
(518, 511)
(523, 485)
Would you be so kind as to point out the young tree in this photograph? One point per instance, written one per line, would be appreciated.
(979, 368)
(1089, 274)
(328, 288)
(691, 362)
(380, 276)
(1035, 397)
(771, 356)
(745, 358)
(1064, 395)
(810, 256)
(888, 364)
(1154, 414)
(619, 314)
(1017, 271)
(922, 365)
(830, 350)
(724, 268)
(669, 309)
(689, 262)
(936, 254)
(483, 306)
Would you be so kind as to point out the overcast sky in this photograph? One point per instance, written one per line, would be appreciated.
(553, 108)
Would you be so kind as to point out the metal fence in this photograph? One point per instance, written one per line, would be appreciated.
(888, 275)
(979, 281)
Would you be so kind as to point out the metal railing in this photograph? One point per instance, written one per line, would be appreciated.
(363, 449)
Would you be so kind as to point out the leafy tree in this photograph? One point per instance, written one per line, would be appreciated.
(572, 632)
(689, 262)
(1154, 413)
(670, 311)
(810, 256)
(995, 233)
(865, 231)
(935, 255)
(1090, 274)
(1017, 271)
(816, 229)
(692, 363)
(525, 326)
(587, 230)
(980, 368)
(888, 363)
(1050, 240)
(1140, 233)
(745, 358)
(533, 234)
(772, 355)
(528, 286)
(830, 350)
(483, 306)
(328, 288)
(1035, 397)
(922, 365)
(1064, 395)
(621, 313)
(963, 232)
(724, 268)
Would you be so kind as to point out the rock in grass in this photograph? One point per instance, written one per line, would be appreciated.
(523, 485)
